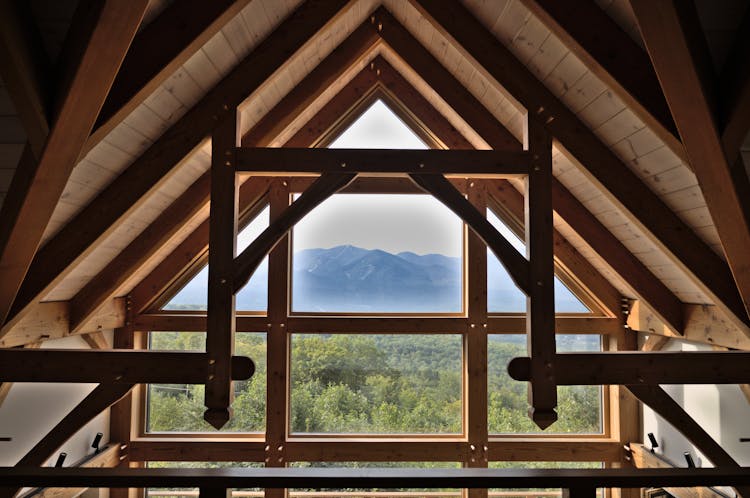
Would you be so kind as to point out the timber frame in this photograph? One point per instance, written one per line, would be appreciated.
(466, 178)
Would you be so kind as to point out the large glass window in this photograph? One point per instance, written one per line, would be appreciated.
(579, 408)
(179, 407)
(376, 253)
(502, 293)
(376, 384)
(252, 297)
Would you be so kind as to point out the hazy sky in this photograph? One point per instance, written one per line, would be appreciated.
(393, 223)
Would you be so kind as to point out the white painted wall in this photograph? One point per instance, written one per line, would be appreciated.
(31, 410)
(722, 410)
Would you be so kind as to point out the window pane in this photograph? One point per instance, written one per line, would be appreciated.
(579, 408)
(369, 253)
(378, 128)
(376, 384)
(252, 297)
(179, 407)
(502, 293)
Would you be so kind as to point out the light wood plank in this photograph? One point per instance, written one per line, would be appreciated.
(100, 216)
(222, 246)
(675, 42)
(157, 52)
(600, 164)
(38, 188)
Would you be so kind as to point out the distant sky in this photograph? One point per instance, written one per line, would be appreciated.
(378, 128)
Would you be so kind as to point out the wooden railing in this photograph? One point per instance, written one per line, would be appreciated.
(215, 482)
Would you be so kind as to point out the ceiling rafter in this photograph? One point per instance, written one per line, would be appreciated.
(603, 168)
(610, 53)
(129, 190)
(157, 51)
(105, 34)
(378, 72)
(677, 46)
(196, 197)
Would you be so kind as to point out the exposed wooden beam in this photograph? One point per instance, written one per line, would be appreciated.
(157, 51)
(112, 366)
(654, 343)
(575, 271)
(512, 260)
(631, 270)
(126, 193)
(475, 163)
(609, 53)
(96, 340)
(222, 247)
(664, 405)
(355, 47)
(188, 257)
(51, 321)
(647, 369)
(249, 259)
(109, 457)
(704, 324)
(603, 168)
(98, 400)
(674, 39)
(100, 289)
(279, 477)
(5, 386)
(25, 71)
(540, 301)
(37, 190)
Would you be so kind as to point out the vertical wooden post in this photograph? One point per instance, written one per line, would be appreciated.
(278, 340)
(121, 413)
(540, 302)
(222, 246)
(215, 493)
(578, 492)
(475, 343)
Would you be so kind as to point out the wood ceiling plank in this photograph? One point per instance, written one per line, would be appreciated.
(126, 193)
(677, 46)
(25, 219)
(734, 84)
(610, 53)
(157, 51)
(645, 208)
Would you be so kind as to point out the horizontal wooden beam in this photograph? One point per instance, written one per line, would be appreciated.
(112, 366)
(639, 368)
(372, 478)
(65, 250)
(561, 449)
(249, 259)
(196, 322)
(196, 450)
(706, 324)
(276, 161)
(50, 320)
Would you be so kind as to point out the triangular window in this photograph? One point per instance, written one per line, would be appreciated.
(378, 128)
(504, 296)
(252, 297)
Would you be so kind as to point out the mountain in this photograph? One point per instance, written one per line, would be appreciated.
(352, 279)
